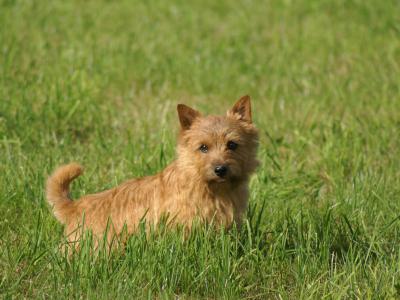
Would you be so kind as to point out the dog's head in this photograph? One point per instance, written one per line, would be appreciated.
(221, 149)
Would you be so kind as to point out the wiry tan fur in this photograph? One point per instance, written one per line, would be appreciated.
(186, 190)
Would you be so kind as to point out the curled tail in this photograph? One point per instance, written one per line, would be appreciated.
(57, 189)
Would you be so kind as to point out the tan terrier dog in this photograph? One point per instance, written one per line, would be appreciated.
(208, 181)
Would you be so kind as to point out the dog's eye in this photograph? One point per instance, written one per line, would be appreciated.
(232, 145)
(203, 148)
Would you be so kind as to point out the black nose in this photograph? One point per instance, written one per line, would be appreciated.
(221, 170)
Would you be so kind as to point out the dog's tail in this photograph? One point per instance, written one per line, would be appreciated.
(57, 189)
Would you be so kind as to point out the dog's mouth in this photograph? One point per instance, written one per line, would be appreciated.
(227, 180)
(215, 179)
(218, 180)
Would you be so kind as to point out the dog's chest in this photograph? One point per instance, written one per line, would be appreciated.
(187, 204)
(218, 209)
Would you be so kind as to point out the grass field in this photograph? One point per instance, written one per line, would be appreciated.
(98, 82)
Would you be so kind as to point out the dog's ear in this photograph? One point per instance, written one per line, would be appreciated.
(242, 109)
(186, 115)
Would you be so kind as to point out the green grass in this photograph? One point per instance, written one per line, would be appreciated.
(97, 82)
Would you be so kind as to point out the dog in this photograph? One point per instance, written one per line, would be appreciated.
(208, 182)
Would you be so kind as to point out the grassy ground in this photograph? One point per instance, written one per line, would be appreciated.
(97, 82)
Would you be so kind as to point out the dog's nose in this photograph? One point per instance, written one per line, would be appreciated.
(220, 171)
